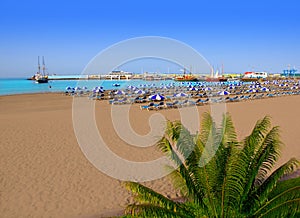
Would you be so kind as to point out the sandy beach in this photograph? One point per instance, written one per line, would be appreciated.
(43, 172)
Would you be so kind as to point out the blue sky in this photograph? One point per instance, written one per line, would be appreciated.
(259, 35)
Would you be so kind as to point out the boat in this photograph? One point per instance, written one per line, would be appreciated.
(254, 76)
(186, 78)
(214, 77)
(218, 79)
(41, 78)
(118, 75)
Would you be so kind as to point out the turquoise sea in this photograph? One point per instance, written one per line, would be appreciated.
(20, 86)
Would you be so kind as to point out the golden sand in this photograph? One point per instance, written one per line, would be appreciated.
(43, 172)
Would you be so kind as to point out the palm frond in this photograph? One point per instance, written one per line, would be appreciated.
(207, 127)
(289, 198)
(289, 208)
(262, 163)
(227, 141)
(228, 132)
(148, 210)
(284, 185)
(184, 171)
(220, 176)
(179, 182)
(143, 194)
(239, 167)
(270, 183)
(267, 155)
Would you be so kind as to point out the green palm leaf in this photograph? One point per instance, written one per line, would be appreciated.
(220, 176)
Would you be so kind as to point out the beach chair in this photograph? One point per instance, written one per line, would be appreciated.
(160, 106)
(259, 96)
(236, 98)
(183, 104)
(152, 107)
(191, 103)
(247, 97)
(175, 104)
(199, 102)
(216, 100)
(113, 101)
(145, 107)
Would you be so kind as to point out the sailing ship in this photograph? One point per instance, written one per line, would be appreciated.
(186, 77)
(41, 77)
(214, 77)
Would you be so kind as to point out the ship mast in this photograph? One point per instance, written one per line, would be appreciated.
(44, 68)
(39, 66)
(222, 69)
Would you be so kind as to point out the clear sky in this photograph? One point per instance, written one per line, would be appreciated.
(243, 35)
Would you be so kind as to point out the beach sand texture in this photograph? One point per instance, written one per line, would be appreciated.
(43, 172)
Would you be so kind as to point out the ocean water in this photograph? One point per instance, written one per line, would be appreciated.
(21, 86)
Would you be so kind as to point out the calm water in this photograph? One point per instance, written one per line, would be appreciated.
(19, 86)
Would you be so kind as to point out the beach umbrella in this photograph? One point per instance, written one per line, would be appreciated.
(294, 87)
(97, 90)
(265, 89)
(140, 92)
(223, 93)
(157, 97)
(69, 88)
(207, 89)
(130, 87)
(165, 87)
(181, 95)
(251, 90)
(120, 92)
(193, 89)
(77, 88)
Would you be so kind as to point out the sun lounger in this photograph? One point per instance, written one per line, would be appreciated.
(145, 107)
(160, 106)
(183, 104)
(236, 98)
(172, 104)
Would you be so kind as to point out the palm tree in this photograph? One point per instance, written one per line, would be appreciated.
(218, 176)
